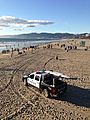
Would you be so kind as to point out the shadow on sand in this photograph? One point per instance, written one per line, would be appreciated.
(77, 96)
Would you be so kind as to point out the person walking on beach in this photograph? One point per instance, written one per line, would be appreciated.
(12, 52)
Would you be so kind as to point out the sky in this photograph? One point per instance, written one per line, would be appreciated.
(27, 16)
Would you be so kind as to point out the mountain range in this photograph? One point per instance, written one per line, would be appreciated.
(47, 36)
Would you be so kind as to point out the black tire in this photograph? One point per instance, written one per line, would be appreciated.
(46, 93)
(25, 82)
(23, 79)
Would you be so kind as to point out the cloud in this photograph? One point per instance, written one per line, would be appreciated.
(4, 25)
(19, 23)
(19, 29)
(1, 28)
(11, 20)
(40, 22)
(31, 26)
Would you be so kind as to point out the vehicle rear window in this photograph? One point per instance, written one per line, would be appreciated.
(48, 79)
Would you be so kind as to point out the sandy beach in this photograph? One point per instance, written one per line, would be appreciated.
(18, 102)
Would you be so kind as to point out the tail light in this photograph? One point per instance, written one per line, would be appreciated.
(53, 90)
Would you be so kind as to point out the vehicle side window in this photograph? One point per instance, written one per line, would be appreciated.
(37, 78)
(31, 76)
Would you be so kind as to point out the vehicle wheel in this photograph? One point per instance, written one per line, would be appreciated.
(45, 93)
(23, 79)
(25, 82)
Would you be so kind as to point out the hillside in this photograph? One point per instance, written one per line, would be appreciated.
(47, 36)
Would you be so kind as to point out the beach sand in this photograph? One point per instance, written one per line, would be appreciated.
(18, 102)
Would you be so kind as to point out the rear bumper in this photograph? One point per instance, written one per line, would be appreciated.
(60, 91)
(57, 93)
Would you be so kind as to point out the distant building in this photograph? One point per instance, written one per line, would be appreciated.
(87, 35)
(82, 43)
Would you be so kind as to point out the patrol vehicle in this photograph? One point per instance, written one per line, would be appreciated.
(48, 82)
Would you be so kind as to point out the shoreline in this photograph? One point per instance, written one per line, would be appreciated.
(55, 44)
(8, 45)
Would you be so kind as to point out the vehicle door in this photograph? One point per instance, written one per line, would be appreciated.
(37, 81)
(30, 79)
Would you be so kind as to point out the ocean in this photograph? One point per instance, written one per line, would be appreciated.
(9, 43)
